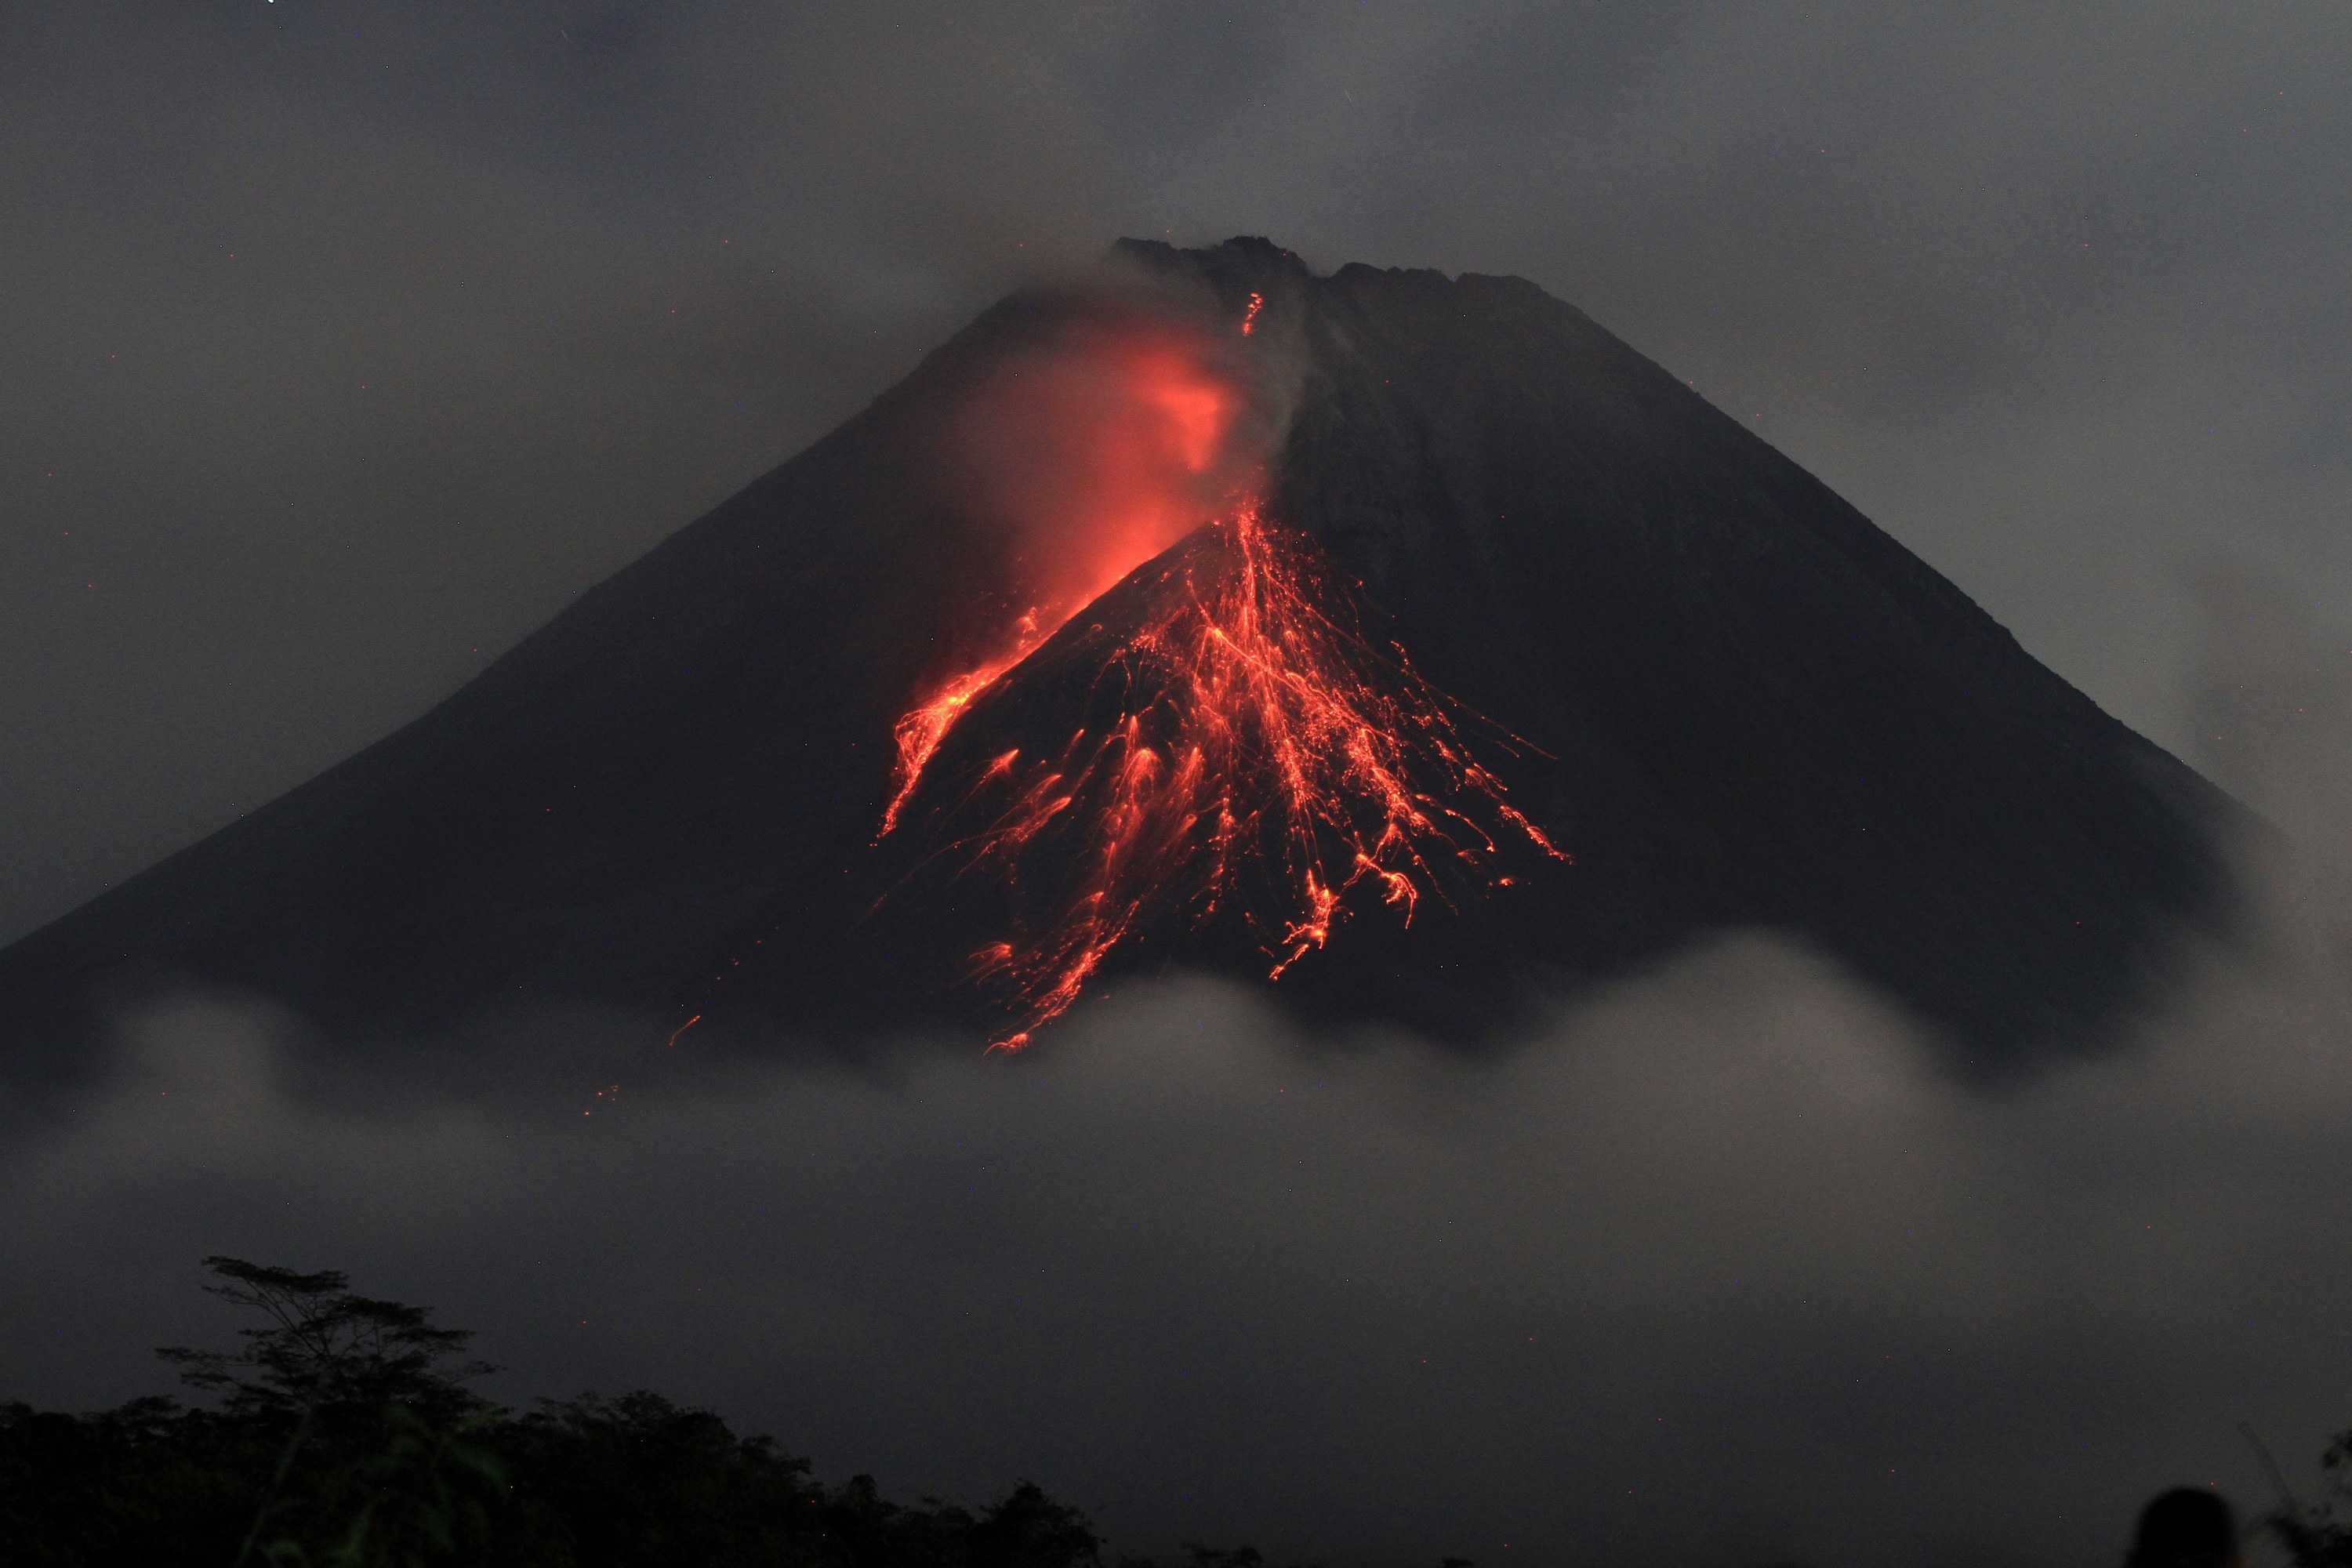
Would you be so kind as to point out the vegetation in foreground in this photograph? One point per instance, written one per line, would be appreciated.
(343, 1435)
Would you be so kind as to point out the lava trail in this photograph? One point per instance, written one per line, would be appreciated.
(1266, 761)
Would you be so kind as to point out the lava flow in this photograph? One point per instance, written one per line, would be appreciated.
(1261, 759)
(920, 730)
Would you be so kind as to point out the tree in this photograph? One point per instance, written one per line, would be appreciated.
(382, 1462)
(1026, 1527)
(345, 1437)
(638, 1480)
(325, 1347)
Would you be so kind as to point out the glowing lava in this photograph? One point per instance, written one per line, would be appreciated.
(920, 730)
(1264, 761)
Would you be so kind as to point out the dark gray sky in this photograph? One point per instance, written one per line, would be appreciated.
(346, 341)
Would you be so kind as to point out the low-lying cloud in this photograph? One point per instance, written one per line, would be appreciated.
(1722, 1266)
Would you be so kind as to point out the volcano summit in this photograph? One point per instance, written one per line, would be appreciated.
(1407, 642)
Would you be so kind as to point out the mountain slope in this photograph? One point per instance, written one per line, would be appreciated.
(1728, 696)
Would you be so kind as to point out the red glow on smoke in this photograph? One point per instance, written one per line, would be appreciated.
(1102, 456)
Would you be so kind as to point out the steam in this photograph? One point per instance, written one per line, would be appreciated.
(1074, 461)
(1716, 1269)
(1132, 422)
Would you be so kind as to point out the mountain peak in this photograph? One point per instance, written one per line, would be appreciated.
(1565, 606)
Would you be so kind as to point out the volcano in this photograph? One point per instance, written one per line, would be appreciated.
(1405, 643)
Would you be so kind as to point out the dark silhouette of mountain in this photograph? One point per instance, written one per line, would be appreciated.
(1738, 703)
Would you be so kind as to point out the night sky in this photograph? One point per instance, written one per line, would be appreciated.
(348, 342)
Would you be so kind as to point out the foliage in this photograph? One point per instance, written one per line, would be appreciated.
(324, 1347)
(637, 1479)
(2320, 1535)
(632, 1482)
(343, 1435)
(151, 1482)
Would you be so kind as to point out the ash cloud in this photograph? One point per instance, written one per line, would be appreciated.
(1718, 1267)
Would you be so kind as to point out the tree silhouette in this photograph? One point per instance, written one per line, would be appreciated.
(325, 1347)
(344, 1436)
